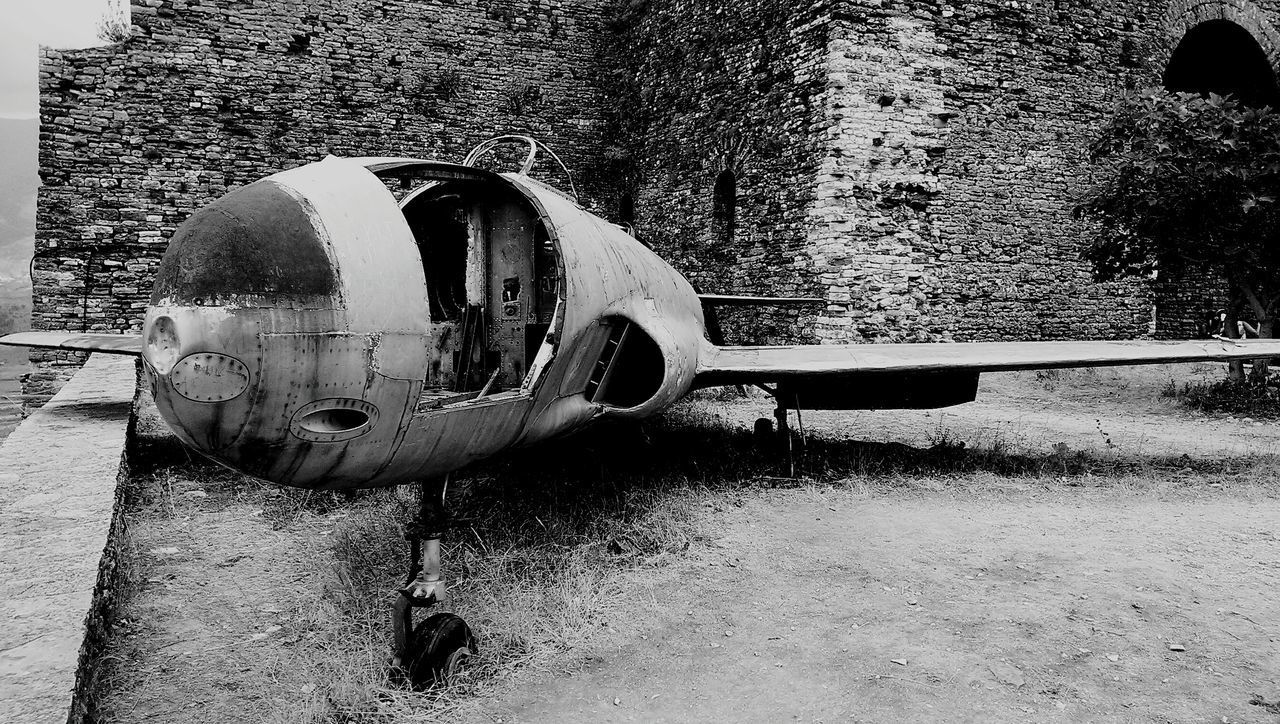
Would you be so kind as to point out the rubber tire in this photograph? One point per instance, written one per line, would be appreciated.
(763, 434)
(440, 644)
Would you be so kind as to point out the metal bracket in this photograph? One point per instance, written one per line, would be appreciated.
(423, 586)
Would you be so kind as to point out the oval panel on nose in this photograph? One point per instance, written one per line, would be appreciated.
(333, 420)
(209, 377)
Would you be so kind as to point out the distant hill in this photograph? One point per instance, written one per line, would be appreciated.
(18, 182)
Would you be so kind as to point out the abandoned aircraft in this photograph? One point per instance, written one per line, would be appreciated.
(311, 330)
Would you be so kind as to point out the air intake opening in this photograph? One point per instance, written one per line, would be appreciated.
(630, 369)
(334, 420)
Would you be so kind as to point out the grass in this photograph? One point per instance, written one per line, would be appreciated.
(1245, 398)
(542, 541)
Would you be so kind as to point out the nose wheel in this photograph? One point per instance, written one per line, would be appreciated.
(438, 649)
(433, 652)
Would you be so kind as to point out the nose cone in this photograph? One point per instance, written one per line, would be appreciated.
(256, 249)
(287, 332)
(260, 245)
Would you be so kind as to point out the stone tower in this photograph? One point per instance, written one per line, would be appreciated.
(912, 163)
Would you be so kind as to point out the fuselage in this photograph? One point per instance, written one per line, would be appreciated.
(312, 330)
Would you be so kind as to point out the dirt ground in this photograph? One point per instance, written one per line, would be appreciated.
(1145, 596)
(1017, 605)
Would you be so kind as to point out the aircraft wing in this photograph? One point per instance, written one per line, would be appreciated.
(745, 365)
(130, 344)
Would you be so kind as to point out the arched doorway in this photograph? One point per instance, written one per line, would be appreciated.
(1214, 56)
(724, 207)
(1218, 56)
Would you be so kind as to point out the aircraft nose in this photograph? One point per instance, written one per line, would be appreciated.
(199, 371)
(245, 265)
(258, 246)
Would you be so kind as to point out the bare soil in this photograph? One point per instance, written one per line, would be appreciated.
(1009, 605)
(1137, 585)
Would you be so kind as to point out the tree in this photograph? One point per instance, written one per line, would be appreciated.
(1190, 182)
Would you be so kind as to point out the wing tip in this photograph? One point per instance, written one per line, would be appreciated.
(124, 344)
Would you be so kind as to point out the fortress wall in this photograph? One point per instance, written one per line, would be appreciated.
(913, 164)
(1029, 87)
(928, 157)
(737, 86)
(928, 164)
(208, 95)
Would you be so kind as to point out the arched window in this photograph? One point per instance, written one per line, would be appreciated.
(627, 210)
(1218, 56)
(724, 207)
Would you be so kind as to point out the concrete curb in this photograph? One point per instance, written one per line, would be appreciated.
(59, 525)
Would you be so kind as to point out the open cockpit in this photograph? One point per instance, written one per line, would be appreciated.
(492, 276)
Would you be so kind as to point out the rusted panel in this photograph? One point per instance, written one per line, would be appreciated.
(210, 377)
(257, 245)
(401, 356)
(207, 425)
(510, 251)
(477, 259)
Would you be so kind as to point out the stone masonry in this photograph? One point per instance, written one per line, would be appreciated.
(207, 95)
(939, 146)
(914, 164)
(58, 533)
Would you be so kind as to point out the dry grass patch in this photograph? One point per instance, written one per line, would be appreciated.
(537, 557)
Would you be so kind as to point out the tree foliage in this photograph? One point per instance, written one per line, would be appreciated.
(1190, 182)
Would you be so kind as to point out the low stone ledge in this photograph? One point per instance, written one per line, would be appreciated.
(58, 479)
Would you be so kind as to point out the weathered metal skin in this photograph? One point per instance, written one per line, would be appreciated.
(298, 333)
(310, 330)
(312, 375)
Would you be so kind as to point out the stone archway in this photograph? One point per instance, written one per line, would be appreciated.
(1225, 47)
(1220, 56)
(1183, 16)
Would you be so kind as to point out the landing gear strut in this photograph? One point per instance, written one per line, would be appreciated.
(785, 442)
(433, 652)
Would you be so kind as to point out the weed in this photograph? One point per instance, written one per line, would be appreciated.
(449, 85)
(1106, 437)
(522, 98)
(114, 23)
(426, 92)
(541, 541)
(1248, 397)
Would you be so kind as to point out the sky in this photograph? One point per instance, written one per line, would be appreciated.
(56, 23)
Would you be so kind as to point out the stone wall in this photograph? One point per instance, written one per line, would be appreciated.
(1029, 85)
(912, 163)
(916, 166)
(210, 94)
(716, 86)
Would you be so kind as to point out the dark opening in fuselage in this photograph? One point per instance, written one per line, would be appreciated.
(492, 284)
